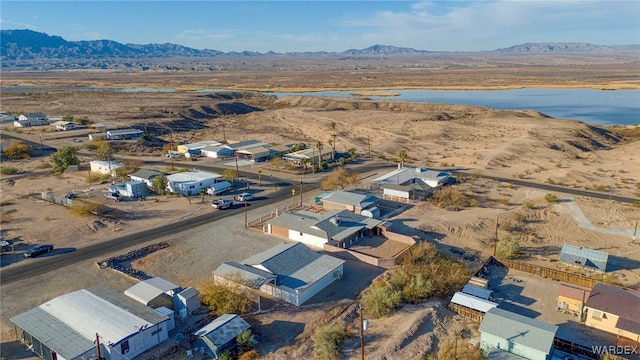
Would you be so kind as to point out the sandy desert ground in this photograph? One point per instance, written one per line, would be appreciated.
(512, 144)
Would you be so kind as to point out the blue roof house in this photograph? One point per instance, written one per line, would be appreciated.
(504, 331)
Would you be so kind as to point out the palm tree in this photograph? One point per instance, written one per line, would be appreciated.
(332, 125)
(402, 157)
(305, 162)
(319, 145)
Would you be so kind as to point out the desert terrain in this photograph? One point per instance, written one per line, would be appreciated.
(510, 144)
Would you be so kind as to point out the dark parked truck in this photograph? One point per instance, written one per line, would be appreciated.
(113, 196)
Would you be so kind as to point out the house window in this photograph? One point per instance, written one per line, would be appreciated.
(598, 315)
(300, 233)
(124, 347)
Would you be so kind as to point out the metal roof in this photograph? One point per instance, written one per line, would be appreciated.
(477, 291)
(250, 276)
(124, 131)
(407, 174)
(68, 323)
(256, 150)
(295, 265)
(192, 176)
(222, 330)
(146, 174)
(147, 290)
(359, 200)
(112, 164)
(519, 329)
(473, 302)
(615, 301)
(325, 225)
(247, 144)
(573, 292)
(201, 144)
(577, 255)
(189, 293)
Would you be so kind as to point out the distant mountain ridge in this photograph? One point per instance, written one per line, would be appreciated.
(25, 48)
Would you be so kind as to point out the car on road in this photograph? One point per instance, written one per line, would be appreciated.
(221, 203)
(38, 250)
(245, 196)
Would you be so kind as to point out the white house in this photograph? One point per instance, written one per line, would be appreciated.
(65, 327)
(407, 183)
(104, 166)
(190, 182)
(64, 125)
(216, 151)
(289, 271)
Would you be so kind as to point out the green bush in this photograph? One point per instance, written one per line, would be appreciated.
(327, 341)
(551, 198)
(17, 151)
(244, 341)
(8, 170)
(508, 247)
(380, 299)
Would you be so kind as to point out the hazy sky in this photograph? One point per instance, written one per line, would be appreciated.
(284, 26)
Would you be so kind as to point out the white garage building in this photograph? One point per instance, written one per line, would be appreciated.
(66, 326)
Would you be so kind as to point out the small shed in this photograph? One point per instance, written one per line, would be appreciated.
(104, 167)
(584, 258)
(517, 334)
(220, 334)
(154, 292)
(472, 302)
(189, 298)
(479, 292)
(217, 151)
(132, 189)
(97, 136)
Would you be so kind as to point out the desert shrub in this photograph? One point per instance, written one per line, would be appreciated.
(250, 355)
(5, 218)
(244, 341)
(8, 170)
(43, 165)
(452, 349)
(530, 205)
(96, 177)
(506, 225)
(519, 217)
(82, 207)
(17, 151)
(601, 188)
(551, 198)
(231, 296)
(327, 341)
(507, 247)
(414, 289)
(380, 299)
(636, 203)
(340, 178)
(452, 196)
(226, 355)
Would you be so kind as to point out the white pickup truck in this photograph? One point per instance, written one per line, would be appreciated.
(219, 188)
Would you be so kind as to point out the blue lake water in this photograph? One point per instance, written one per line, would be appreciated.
(597, 107)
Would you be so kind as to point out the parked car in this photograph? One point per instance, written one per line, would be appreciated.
(172, 155)
(221, 203)
(38, 250)
(245, 196)
(71, 196)
(113, 196)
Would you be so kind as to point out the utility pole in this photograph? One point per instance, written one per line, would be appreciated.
(41, 145)
(361, 335)
(99, 351)
(369, 141)
(237, 172)
(300, 190)
(246, 222)
(495, 241)
(171, 150)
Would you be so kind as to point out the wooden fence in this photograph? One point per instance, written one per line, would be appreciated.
(467, 313)
(554, 274)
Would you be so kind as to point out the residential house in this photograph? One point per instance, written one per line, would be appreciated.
(615, 311)
(314, 155)
(255, 154)
(145, 175)
(68, 326)
(584, 258)
(104, 167)
(349, 200)
(220, 334)
(246, 144)
(31, 119)
(154, 292)
(196, 148)
(335, 227)
(289, 271)
(191, 182)
(505, 331)
(277, 151)
(64, 125)
(124, 134)
(8, 118)
(217, 151)
(407, 183)
(572, 299)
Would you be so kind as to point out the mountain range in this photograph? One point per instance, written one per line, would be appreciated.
(27, 46)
